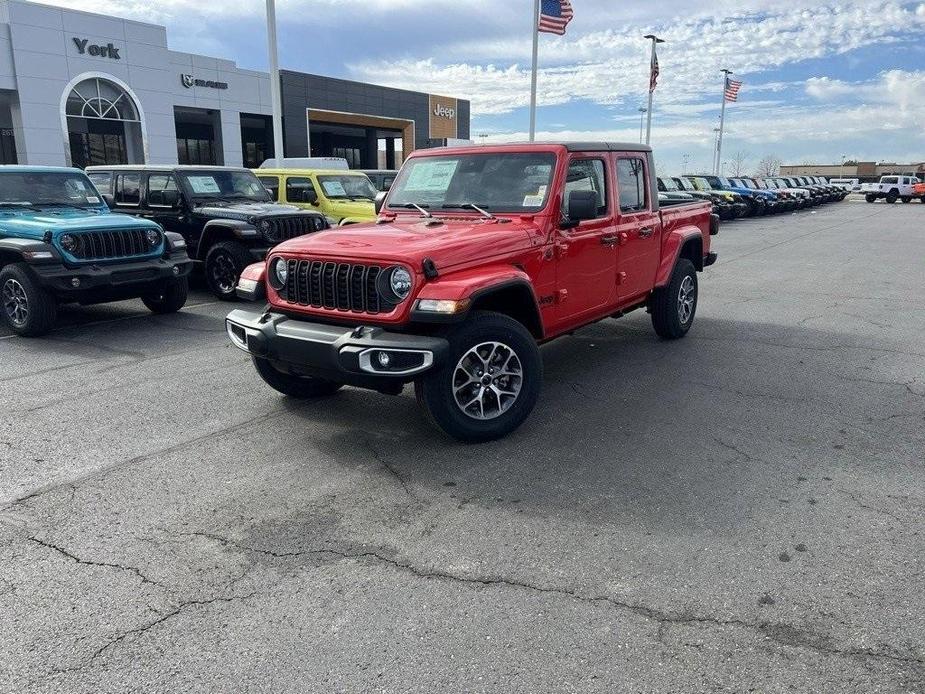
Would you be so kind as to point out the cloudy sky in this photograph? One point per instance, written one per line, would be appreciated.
(822, 79)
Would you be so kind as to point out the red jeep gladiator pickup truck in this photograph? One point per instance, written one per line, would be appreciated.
(478, 255)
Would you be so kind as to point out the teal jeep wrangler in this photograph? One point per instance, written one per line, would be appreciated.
(60, 243)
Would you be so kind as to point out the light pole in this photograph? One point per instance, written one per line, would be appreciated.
(684, 159)
(655, 41)
(722, 118)
(841, 171)
(275, 97)
(642, 112)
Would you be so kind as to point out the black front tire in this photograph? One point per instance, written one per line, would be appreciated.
(471, 342)
(169, 297)
(224, 264)
(870, 198)
(673, 307)
(892, 197)
(28, 309)
(906, 199)
(301, 387)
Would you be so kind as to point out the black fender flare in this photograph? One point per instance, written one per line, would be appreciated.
(218, 227)
(18, 250)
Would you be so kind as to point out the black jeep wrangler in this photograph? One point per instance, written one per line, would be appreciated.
(225, 214)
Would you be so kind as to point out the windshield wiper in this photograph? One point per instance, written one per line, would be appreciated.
(51, 203)
(17, 203)
(420, 208)
(470, 206)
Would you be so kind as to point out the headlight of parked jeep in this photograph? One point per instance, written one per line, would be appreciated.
(69, 242)
(279, 273)
(395, 284)
(153, 236)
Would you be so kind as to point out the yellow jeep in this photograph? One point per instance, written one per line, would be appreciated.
(344, 197)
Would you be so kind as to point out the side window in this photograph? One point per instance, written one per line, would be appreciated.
(102, 181)
(587, 174)
(271, 183)
(387, 182)
(298, 189)
(128, 189)
(157, 184)
(631, 182)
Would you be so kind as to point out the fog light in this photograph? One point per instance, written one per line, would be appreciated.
(75, 282)
(384, 360)
(176, 270)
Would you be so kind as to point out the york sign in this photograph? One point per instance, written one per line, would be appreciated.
(107, 51)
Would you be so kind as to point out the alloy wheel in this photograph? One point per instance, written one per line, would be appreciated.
(487, 380)
(15, 302)
(686, 295)
(224, 273)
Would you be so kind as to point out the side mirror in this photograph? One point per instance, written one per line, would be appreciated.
(310, 196)
(109, 200)
(380, 200)
(171, 198)
(582, 205)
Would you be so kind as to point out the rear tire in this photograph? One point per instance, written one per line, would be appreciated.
(906, 199)
(224, 264)
(169, 298)
(673, 307)
(28, 309)
(301, 387)
(892, 196)
(489, 382)
(870, 198)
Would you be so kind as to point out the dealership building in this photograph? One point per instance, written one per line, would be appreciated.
(78, 89)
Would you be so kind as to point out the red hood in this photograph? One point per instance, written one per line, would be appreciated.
(410, 240)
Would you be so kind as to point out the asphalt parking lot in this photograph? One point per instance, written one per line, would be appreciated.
(738, 511)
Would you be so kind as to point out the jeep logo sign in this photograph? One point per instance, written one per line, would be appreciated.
(443, 121)
(107, 51)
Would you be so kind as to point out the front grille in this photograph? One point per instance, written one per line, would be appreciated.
(342, 286)
(284, 228)
(102, 245)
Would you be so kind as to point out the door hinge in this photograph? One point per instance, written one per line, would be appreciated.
(563, 295)
(621, 277)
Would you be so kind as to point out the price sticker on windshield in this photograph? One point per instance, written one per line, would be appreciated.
(206, 185)
(334, 188)
(537, 199)
(432, 176)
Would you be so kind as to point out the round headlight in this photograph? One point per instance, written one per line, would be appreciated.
(265, 226)
(400, 283)
(153, 236)
(69, 243)
(280, 273)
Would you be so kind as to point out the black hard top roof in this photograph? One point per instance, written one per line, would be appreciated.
(163, 167)
(606, 147)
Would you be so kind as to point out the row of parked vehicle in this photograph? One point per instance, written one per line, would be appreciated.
(752, 197)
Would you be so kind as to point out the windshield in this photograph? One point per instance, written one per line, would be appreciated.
(760, 183)
(748, 184)
(225, 185)
(48, 188)
(889, 179)
(668, 185)
(346, 187)
(701, 184)
(499, 182)
(685, 184)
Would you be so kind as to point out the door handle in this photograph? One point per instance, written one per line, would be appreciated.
(646, 232)
(609, 240)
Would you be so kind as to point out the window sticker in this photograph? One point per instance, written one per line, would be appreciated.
(535, 200)
(432, 176)
(334, 188)
(204, 184)
(93, 200)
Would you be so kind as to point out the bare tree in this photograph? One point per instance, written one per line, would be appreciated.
(768, 166)
(737, 163)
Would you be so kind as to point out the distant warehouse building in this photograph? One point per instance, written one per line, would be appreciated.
(78, 88)
(863, 170)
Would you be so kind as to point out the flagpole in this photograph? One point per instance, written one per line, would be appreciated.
(722, 122)
(275, 98)
(536, 49)
(655, 41)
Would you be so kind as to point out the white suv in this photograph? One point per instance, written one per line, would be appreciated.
(891, 188)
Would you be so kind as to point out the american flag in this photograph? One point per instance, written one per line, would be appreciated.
(653, 75)
(555, 16)
(732, 90)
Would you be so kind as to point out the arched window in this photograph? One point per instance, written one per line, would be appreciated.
(103, 122)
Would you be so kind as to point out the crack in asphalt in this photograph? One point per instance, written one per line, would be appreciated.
(855, 498)
(391, 469)
(781, 633)
(88, 562)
